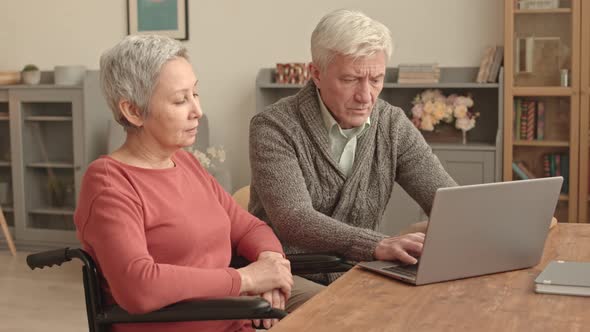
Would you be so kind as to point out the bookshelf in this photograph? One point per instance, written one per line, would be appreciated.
(542, 111)
(584, 188)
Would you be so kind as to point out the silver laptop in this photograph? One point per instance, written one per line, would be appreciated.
(481, 229)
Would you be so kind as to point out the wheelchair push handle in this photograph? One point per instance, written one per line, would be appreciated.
(48, 258)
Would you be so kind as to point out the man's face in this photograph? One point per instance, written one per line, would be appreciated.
(349, 87)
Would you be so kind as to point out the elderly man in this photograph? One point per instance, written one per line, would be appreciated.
(324, 161)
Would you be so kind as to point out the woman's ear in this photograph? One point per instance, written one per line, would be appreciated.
(131, 113)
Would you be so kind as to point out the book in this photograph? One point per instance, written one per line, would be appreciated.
(517, 116)
(496, 63)
(546, 166)
(523, 119)
(566, 278)
(540, 120)
(418, 67)
(530, 121)
(519, 172)
(525, 169)
(565, 172)
(486, 62)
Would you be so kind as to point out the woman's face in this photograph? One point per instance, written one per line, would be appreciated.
(174, 107)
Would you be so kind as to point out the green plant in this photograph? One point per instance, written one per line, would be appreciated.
(30, 67)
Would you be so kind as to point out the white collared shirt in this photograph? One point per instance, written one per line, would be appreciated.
(342, 141)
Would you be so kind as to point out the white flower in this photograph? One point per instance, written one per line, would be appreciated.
(430, 107)
(212, 151)
(427, 124)
(465, 123)
(221, 155)
(211, 158)
(460, 112)
(202, 158)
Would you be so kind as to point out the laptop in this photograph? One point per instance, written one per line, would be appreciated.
(481, 229)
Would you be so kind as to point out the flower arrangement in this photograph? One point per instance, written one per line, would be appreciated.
(431, 107)
(211, 159)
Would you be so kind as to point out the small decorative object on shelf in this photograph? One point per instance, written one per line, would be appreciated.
(292, 73)
(431, 108)
(564, 77)
(31, 74)
(538, 4)
(10, 77)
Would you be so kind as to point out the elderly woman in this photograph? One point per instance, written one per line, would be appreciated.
(159, 226)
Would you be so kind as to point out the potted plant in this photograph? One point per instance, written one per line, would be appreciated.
(31, 74)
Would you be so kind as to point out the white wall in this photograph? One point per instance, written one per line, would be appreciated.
(231, 40)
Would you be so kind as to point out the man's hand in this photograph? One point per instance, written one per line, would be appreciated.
(415, 227)
(404, 248)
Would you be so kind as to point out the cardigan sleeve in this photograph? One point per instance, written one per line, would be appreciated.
(113, 231)
(280, 187)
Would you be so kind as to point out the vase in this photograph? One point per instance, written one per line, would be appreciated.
(464, 136)
(443, 134)
(31, 77)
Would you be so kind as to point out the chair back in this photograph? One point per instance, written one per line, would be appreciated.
(242, 197)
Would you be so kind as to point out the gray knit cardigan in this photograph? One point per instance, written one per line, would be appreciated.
(299, 189)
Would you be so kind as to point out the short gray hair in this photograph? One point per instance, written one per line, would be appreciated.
(130, 70)
(349, 33)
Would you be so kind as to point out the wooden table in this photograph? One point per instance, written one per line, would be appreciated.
(363, 301)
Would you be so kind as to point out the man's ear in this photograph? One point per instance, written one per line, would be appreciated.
(315, 74)
(131, 113)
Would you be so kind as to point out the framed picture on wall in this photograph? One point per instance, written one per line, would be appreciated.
(162, 17)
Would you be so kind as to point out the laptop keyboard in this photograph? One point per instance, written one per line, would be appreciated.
(407, 270)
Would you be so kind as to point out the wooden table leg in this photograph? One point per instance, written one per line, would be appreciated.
(7, 234)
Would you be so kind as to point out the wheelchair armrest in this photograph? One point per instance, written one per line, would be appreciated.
(242, 307)
(317, 263)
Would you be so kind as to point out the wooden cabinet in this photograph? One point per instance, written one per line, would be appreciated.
(478, 161)
(542, 98)
(48, 134)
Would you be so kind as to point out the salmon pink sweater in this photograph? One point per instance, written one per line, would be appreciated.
(161, 236)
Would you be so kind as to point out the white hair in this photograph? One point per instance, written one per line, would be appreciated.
(130, 70)
(349, 33)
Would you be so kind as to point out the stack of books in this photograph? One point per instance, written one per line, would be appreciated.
(418, 73)
(489, 69)
(529, 119)
(557, 164)
(554, 164)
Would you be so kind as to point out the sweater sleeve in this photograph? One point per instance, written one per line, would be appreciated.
(418, 169)
(280, 186)
(114, 232)
(249, 235)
